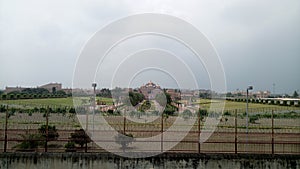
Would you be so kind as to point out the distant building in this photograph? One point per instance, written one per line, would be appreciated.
(14, 89)
(187, 93)
(174, 93)
(258, 94)
(262, 94)
(150, 90)
(52, 87)
(67, 90)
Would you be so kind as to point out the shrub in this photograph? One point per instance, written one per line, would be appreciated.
(80, 137)
(227, 113)
(253, 119)
(70, 145)
(124, 139)
(186, 114)
(52, 132)
(29, 142)
(203, 112)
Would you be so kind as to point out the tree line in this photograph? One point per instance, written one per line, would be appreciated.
(33, 93)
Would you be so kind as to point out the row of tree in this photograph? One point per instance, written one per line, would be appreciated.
(32, 93)
(33, 141)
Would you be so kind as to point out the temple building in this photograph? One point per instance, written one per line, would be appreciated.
(150, 89)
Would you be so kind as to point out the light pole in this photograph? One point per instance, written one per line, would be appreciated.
(249, 88)
(94, 85)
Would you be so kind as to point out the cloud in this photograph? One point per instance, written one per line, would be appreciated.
(40, 40)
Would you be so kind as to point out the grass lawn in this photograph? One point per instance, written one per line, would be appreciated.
(231, 105)
(48, 102)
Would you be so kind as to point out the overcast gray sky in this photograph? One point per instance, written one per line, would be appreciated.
(258, 41)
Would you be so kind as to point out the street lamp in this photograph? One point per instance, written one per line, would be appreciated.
(249, 88)
(94, 85)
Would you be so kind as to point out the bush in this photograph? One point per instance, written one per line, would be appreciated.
(124, 139)
(29, 142)
(80, 137)
(186, 114)
(253, 119)
(52, 132)
(145, 106)
(227, 113)
(203, 112)
(70, 145)
(170, 109)
(72, 110)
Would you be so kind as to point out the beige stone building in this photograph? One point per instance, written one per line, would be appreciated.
(51, 87)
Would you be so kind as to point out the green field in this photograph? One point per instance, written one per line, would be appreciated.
(204, 103)
(231, 105)
(48, 102)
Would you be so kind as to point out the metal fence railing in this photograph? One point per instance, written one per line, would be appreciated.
(272, 131)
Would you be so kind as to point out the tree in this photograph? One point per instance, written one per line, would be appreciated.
(145, 106)
(11, 96)
(3, 96)
(229, 94)
(61, 92)
(136, 98)
(80, 137)
(203, 112)
(163, 98)
(52, 132)
(35, 91)
(295, 95)
(72, 110)
(104, 93)
(2, 108)
(170, 109)
(124, 139)
(186, 114)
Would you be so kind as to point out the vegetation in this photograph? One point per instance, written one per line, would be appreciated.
(253, 119)
(203, 112)
(52, 132)
(163, 98)
(124, 139)
(186, 114)
(295, 95)
(80, 137)
(145, 106)
(234, 105)
(136, 98)
(32, 93)
(286, 115)
(106, 93)
(70, 146)
(29, 142)
(170, 109)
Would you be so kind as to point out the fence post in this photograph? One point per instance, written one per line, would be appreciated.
(124, 125)
(162, 133)
(86, 130)
(235, 132)
(47, 119)
(5, 135)
(272, 132)
(199, 131)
